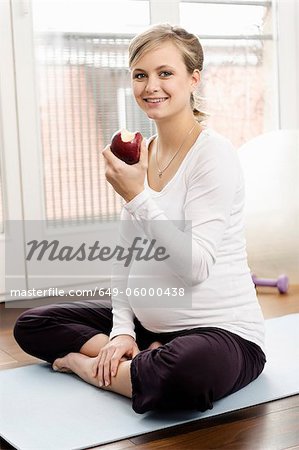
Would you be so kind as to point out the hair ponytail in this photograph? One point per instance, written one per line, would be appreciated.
(195, 102)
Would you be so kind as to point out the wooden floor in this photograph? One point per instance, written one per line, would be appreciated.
(271, 426)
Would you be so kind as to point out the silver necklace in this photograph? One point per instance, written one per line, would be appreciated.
(161, 171)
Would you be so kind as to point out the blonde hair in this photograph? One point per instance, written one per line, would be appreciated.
(187, 43)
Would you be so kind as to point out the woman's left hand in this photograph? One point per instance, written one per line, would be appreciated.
(127, 180)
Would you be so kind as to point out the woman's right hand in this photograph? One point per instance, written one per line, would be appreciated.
(120, 348)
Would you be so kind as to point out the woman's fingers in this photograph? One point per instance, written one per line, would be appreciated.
(108, 369)
(95, 367)
(111, 158)
(107, 362)
(104, 368)
(105, 150)
(116, 359)
(107, 365)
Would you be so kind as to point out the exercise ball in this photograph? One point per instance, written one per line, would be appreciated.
(270, 164)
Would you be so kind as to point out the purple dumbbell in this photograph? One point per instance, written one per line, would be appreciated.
(282, 282)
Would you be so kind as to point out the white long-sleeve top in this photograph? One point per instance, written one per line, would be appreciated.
(198, 219)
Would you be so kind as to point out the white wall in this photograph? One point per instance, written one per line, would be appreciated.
(287, 14)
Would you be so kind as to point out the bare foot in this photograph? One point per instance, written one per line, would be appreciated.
(79, 364)
(62, 365)
(82, 366)
(154, 345)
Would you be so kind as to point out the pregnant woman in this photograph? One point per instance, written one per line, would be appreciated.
(167, 356)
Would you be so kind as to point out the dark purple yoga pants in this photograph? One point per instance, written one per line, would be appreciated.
(191, 370)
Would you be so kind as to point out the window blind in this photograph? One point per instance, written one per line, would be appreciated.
(84, 97)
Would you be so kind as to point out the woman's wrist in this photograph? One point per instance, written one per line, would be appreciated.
(131, 195)
(122, 335)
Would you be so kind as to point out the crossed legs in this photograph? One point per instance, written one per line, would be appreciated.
(190, 370)
(81, 364)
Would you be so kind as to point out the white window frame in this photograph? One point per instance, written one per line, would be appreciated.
(9, 142)
(165, 11)
(286, 17)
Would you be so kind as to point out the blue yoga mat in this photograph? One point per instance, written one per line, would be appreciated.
(45, 410)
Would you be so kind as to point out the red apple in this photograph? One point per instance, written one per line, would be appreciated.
(126, 146)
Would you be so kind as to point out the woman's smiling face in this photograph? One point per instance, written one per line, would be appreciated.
(161, 84)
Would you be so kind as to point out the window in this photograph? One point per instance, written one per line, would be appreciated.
(77, 68)
(239, 76)
(84, 96)
(82, 84)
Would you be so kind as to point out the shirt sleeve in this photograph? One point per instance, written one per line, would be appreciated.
(211, 187)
